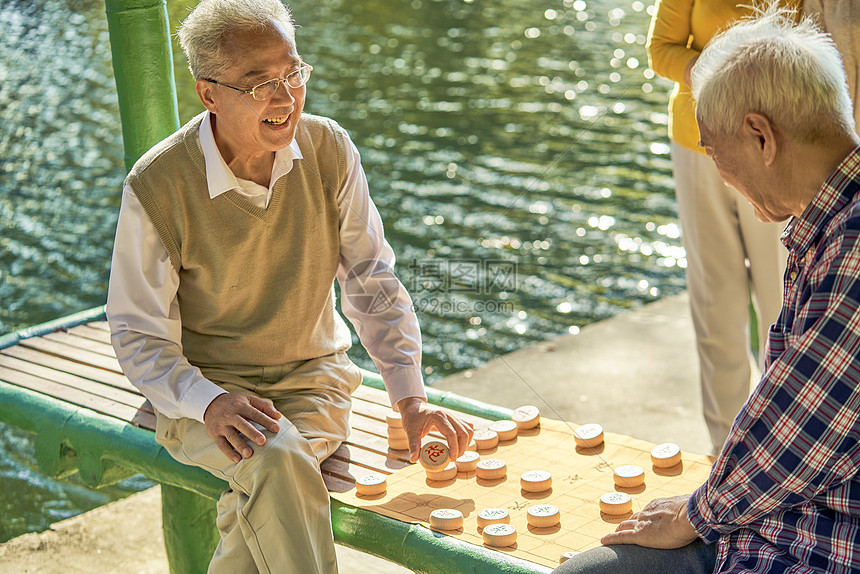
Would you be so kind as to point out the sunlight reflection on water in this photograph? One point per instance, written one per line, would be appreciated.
(516, 150)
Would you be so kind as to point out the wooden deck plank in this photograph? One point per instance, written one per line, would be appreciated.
(373, 426)
(370, 426)
(375, 455)
(100, 325)
(336, 484)
(79, 369)
(371, 409)
(121, 396)
(72, 353)
(71, 395)
(372, 395)
(90, 333)
(343, 463)
(81, 343)
(336, 467)
(339, 474)
(380, 398)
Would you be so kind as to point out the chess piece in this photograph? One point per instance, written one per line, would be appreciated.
(448, 472)
(468, 462)
(493, 516)
(536, 481)
(446, 519)
(616, 503)
(665, 455)
(499, 535)
(629, 476)
(526, 417)
(543, 515)
(433, 455)
(507, 430)
(371, 485)
(492, 468)
(486, 439)
(588, 436)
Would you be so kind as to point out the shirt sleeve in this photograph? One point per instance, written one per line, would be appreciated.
(668, 37)
(798, 436)
(143, 314)
(372, 297)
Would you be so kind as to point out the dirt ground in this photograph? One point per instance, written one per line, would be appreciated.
(125, 537)
(86, 544)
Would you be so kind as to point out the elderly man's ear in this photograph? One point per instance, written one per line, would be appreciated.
(758, 131)
(204, 92)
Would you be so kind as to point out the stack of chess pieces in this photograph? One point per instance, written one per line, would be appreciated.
(494, 523)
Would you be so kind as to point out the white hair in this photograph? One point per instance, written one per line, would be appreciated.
(790, 72)
(204, 30)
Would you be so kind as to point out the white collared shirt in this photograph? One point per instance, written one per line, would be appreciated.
(143, 310)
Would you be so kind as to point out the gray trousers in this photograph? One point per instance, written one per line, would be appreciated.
(695, 558)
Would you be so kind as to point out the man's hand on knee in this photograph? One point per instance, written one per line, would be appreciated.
(662, 523)
(419, 418)
(228, 420)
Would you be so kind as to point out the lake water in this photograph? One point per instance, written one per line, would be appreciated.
(517, 151)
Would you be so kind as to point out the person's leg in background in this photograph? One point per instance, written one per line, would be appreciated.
(767, 259)
(718, 283)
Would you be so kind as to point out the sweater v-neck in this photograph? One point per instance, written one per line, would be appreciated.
(192, 145)
(262, 213)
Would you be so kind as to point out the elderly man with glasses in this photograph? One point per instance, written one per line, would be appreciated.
(221, 299)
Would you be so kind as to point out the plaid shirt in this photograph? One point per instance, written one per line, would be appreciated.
(784, 495)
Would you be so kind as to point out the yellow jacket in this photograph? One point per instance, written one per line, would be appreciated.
(680, 29)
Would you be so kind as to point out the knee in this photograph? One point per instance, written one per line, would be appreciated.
(284, 452)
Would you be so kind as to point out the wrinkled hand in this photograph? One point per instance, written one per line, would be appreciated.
(419, 418)
(662, 523)
(228, 417)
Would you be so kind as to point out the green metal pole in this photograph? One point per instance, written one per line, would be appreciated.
(193, 515)
(143, 68)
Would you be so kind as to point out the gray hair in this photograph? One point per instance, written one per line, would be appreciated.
(790, 72)
(204, 30)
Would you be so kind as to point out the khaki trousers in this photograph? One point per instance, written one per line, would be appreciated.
(730, 253)
(275, 516)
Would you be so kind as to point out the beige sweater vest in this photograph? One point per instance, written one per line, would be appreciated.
(256, 286)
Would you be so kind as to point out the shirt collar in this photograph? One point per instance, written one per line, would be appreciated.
(837, 191)
(220, 178)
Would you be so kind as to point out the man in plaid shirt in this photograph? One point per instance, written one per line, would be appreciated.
(784, 494)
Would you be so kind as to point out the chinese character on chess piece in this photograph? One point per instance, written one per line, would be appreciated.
(434, 455)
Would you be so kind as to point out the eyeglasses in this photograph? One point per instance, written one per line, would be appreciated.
(267, 89)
